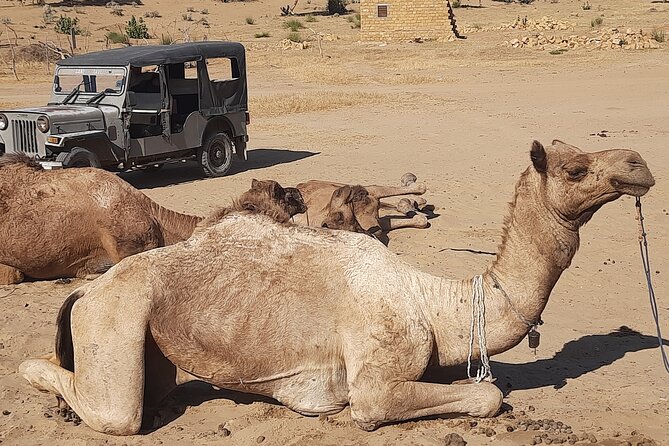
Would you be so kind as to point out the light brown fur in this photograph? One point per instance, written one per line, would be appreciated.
(321, 319)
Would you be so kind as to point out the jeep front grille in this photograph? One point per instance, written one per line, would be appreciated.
(24, 136)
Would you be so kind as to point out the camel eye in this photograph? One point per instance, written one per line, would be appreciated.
(577, 173)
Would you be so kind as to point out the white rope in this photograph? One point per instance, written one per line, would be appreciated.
(478, 325)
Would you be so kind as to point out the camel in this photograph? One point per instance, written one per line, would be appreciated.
(321, 319)
(356, 208)
(80, 222)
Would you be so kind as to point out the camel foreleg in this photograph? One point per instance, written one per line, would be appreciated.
(393, 191)
(388, 223)
(377, 404)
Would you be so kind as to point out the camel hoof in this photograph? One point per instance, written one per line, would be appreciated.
(419, 202)
(408, 179)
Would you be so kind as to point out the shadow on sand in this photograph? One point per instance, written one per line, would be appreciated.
(189, 171)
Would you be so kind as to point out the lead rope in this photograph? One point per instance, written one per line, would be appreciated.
(645, 259)
(478, 324)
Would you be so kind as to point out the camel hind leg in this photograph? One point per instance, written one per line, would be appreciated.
(106, 388)
(10, 275)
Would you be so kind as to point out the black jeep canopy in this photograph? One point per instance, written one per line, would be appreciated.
(141, 56)
(215, 97)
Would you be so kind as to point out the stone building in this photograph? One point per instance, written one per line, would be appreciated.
(404, 20)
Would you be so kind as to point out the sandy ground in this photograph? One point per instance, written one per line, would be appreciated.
(461, 116)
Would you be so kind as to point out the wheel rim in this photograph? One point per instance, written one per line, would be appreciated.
(217, 154)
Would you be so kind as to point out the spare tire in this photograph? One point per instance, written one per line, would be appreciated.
(78, 157)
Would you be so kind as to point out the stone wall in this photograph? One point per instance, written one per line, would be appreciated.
(406, 20)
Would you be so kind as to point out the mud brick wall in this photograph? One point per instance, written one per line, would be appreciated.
(406, 20)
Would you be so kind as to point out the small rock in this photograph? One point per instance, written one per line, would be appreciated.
(509, 429)
(531, 409)
(224, 431)
(592, 438)
(6, 412)
(454, 439)
(489, 432)
(260, 439)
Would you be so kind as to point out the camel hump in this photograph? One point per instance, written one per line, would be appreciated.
(9, 159)
(64, 346)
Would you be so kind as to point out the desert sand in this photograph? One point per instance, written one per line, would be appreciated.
(460, 115)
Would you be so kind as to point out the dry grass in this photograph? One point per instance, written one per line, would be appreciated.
(283, 104)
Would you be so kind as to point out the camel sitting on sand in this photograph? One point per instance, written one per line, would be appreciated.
(333, 205)
(76, 222)
(322, 319)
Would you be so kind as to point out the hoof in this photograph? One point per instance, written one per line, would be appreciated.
(408, 179)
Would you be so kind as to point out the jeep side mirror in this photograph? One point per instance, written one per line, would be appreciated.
(131, 100)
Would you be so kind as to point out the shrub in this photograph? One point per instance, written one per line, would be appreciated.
(354, 20)
(190, 9)
(596, 22)
(47, 14)
(205, 11)
(6, 21)
(293, 24)
(67, 25)
(151, 14)
(586, 6)
(657, 35)
(456, 3)
(261, 35)
(337, 6)
(187, 17)
(295, 37)
(167, 39)
(116, 37)
(310, 18)
(137, 29)
(116, 10)
(250, 21)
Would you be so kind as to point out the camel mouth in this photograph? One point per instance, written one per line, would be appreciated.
(636, 189)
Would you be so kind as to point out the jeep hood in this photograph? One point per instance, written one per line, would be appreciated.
(59, 113)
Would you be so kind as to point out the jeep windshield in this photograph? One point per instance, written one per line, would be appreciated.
(75, 80)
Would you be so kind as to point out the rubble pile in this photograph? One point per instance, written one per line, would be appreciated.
(611, 38)
(544, 24)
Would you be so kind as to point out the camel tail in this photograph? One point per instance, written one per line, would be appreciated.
(64, 346)
(175, 227)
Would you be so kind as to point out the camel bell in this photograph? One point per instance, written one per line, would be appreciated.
(533, 338)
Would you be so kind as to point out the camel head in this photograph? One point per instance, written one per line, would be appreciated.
(268, 197)
(351, 208)
(574, 184)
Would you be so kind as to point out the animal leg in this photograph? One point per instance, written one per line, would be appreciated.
(106, 389)
(388, 223)
(392, 191)
(10, 275)
(376, 404)
(415, 203)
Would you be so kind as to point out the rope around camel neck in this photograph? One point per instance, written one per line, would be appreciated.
(645, 259)
(478, 323)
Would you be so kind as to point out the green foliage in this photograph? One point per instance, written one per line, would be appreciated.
(295, 37)
(261, 35)
(657, 35)
(137, 29)
(337, 6)
(66, 25)
(456, 3)
(293, 24)
(116, 37)
(310, 18)
(250, 21)
(596, 22)
(167, 39)
(354, 20)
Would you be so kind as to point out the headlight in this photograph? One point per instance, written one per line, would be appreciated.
(43, 124)
(3, 122)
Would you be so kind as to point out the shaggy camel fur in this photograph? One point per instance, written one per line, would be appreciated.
(76, 222)
(320, 319)
(356, 208)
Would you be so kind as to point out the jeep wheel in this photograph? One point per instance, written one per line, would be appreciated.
(78, 157)
(215, 156)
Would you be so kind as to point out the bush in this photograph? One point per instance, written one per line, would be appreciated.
(250, 21)
(295, 37)
(293, 24)
(657, 35)
(187, 17)
(190, 9)
(586, 6)
(47, 14)
(116, 10)
(354, 20)
(151, 14)
(116, 37)
(310, 18)
(67, 25)
(261, 35)
(337, 6)
(167, 39)
(596, 22)
(205, 11)
(137, 29)
(456, 3)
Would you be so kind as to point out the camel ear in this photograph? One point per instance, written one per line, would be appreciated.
(276, 191)
(342, 195)
(558, 143)
(538, 156)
